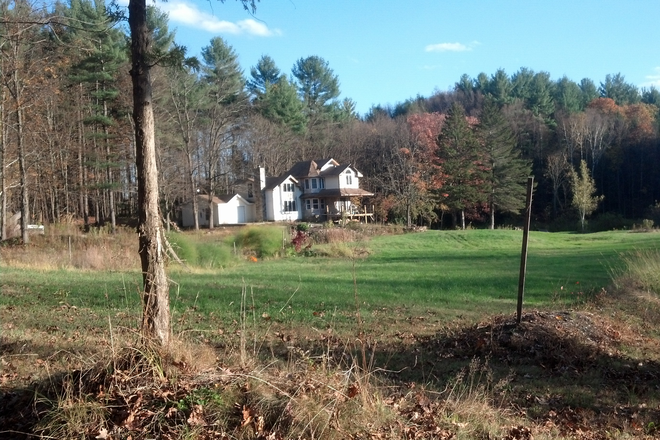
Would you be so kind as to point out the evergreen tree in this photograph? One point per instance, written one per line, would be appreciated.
(589, 92)
(317, 84)
(615, 87)
(507, 171)
(521, 83)
(97, 74)
(461, 163)
(567, 95)
(540, 101)
(265, 73)
(220, 155)
(280, 104)
(222, 72)
(500, 87)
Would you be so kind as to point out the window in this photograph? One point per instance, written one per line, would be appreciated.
(289, 205)
(308, 204)
(315, 204)
(288, 187)
(306, 183)
(321, 183)
(250, 190)
(314, 184)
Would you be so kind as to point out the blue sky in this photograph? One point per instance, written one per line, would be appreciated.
(386, 51)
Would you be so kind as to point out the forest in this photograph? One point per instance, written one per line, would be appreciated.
(457, 158)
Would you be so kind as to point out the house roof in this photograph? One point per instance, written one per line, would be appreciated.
(220, 198)
(272, 182)
(225, 197)
(342, 193)
(304, 169)
(205, 197)
(309, 168)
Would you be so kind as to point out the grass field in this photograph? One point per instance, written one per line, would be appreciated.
(448, 274)
(434, 353)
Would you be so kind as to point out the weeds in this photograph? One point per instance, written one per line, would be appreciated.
(641, 268)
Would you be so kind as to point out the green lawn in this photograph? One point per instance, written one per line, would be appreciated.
(445, 273)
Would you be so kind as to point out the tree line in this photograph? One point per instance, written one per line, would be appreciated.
(67, 139)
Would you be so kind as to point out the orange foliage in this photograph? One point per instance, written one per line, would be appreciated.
(640, 119)
(605, 105)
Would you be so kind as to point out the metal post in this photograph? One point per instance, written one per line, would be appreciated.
(523, 256)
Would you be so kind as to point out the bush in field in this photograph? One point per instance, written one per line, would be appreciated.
(198, 251)
(185, 248)
(213, 255)
(264, 241)
(609, 222)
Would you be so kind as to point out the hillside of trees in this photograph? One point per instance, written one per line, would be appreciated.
(460, 156)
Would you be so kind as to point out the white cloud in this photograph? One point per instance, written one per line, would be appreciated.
(188, 14)
(449, 47)
(654, 79)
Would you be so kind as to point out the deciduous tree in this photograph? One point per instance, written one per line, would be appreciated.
(584, 190)
(155, 294)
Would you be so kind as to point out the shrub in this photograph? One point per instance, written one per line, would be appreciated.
(609, 222)
(653, 213)
(213, 255)
(185, 248)
(264, 241)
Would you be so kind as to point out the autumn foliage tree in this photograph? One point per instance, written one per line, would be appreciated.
(585, 199)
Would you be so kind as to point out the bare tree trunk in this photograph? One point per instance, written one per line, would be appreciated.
(155, 297)
(193, 191)
(82, 191)
(25, 200)
(3, 178)
(492, 214)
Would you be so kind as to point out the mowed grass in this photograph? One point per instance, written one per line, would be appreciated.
(443, 274)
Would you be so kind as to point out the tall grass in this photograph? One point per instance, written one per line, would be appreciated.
(263, 241)
(640, 268)
(201, 251)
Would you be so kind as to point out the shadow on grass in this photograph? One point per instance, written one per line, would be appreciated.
(579, 371)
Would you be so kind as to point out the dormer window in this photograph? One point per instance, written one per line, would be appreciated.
(314, 184)
(250, 190)
(349, 177)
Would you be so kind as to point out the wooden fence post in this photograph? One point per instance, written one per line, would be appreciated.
(523, 256)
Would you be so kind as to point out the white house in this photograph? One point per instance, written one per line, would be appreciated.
(281, 198)
(314, 189)
(226, 208)
(310, 190)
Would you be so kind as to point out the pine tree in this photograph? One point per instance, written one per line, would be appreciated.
(507, 171)
(462, 165)
(96, 74)
(264, 74)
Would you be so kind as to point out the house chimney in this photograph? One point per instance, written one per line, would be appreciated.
(260, 184)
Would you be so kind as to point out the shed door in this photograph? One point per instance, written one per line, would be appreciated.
(241, 214)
